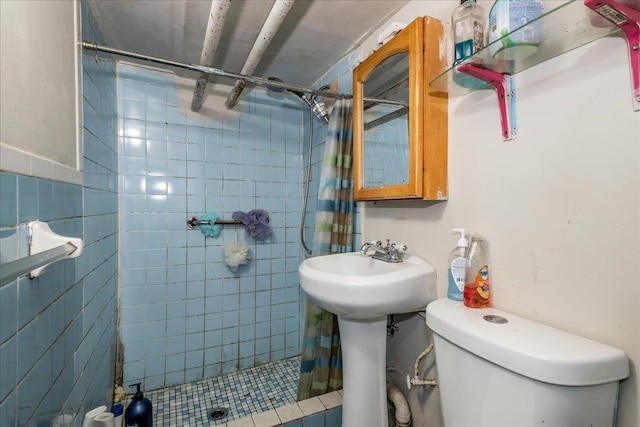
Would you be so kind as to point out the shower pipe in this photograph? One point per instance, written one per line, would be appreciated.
(306, 184)
(222, 73)
(274, 20)
(217, 17)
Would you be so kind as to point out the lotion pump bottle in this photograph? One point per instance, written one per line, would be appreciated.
(458, 265)
(139, 412)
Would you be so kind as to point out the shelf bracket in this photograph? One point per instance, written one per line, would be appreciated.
(628, 20)
(502, 84)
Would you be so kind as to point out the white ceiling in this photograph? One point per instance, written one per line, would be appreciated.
(313, 37)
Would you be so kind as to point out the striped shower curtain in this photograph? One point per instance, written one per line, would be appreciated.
(321, 366)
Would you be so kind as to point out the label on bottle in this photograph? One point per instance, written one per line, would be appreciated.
(476, 293)
(482, 282)
(466, 48)
(458, 270)
(478, 36)
(506, 17)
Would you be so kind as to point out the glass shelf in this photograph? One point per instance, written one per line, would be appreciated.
(566, 27)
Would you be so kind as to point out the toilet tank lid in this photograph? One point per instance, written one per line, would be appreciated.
(526, 347)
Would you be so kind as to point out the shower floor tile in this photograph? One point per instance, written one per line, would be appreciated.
(243, 393)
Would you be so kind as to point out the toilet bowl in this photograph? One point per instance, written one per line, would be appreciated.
(497, 369)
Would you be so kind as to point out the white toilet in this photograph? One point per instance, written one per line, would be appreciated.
(496, 369)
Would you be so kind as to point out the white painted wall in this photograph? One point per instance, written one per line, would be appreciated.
(559, 206)
(39, 83)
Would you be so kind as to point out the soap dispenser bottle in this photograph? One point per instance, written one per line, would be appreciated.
(477, 287)
(139, 412)
(458, 265)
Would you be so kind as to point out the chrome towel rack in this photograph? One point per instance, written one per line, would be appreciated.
(45, 248)
(193, 222)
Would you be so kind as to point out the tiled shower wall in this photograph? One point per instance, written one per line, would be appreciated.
(184, 314)
(57, 332)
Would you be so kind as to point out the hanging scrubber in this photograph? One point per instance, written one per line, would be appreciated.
(211, 229)
(256, 223)
(236, 254)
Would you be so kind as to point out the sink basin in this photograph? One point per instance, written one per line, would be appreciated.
(362, 291)
(355, 286)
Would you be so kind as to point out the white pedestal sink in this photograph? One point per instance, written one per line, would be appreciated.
(362, 291)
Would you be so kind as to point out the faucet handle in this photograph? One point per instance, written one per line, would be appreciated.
(396, 249)
(399, 247)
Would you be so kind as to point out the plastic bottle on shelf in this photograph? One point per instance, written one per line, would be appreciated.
(458, 265)
(468, 21)
(477, 287)
(506, 16)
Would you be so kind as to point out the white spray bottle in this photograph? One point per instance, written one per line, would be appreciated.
(458, 265)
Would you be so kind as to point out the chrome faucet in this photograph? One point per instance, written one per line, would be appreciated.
(375, 244)
(389, 253)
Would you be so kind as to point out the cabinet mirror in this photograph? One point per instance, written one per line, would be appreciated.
(390, 107)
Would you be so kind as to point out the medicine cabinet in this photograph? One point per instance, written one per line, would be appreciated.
(572, 24)
(399, 127)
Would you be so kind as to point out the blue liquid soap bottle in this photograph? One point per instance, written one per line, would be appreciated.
(468, 22)
(458, 265)
(139, 412)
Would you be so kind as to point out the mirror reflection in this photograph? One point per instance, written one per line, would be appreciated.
(386, 127)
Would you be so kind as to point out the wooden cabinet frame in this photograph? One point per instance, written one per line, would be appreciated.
(427, 167)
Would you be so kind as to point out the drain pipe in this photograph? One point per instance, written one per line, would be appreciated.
(215, 25)
(276, 16)
(416, 380)
(402, 412)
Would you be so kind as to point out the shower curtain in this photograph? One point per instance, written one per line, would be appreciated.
(321, 365)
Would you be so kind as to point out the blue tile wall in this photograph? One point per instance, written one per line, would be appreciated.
(57, 332)
(184, 314)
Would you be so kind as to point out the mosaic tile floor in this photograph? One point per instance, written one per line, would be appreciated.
(247, 392)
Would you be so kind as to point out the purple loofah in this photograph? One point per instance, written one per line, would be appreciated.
(256, 223)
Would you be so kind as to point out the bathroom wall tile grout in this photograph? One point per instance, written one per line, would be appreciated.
(58, 331)
(173, 165)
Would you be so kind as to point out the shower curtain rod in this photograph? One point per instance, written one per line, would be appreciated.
(222, 73)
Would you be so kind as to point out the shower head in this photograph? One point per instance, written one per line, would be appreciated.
(318, 108)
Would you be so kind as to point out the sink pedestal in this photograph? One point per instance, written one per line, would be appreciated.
(364, 393)
(362, 291)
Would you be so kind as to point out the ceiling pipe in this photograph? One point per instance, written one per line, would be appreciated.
(276, 16)
(215, 25)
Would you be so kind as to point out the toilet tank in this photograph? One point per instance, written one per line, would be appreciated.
(497, 369)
